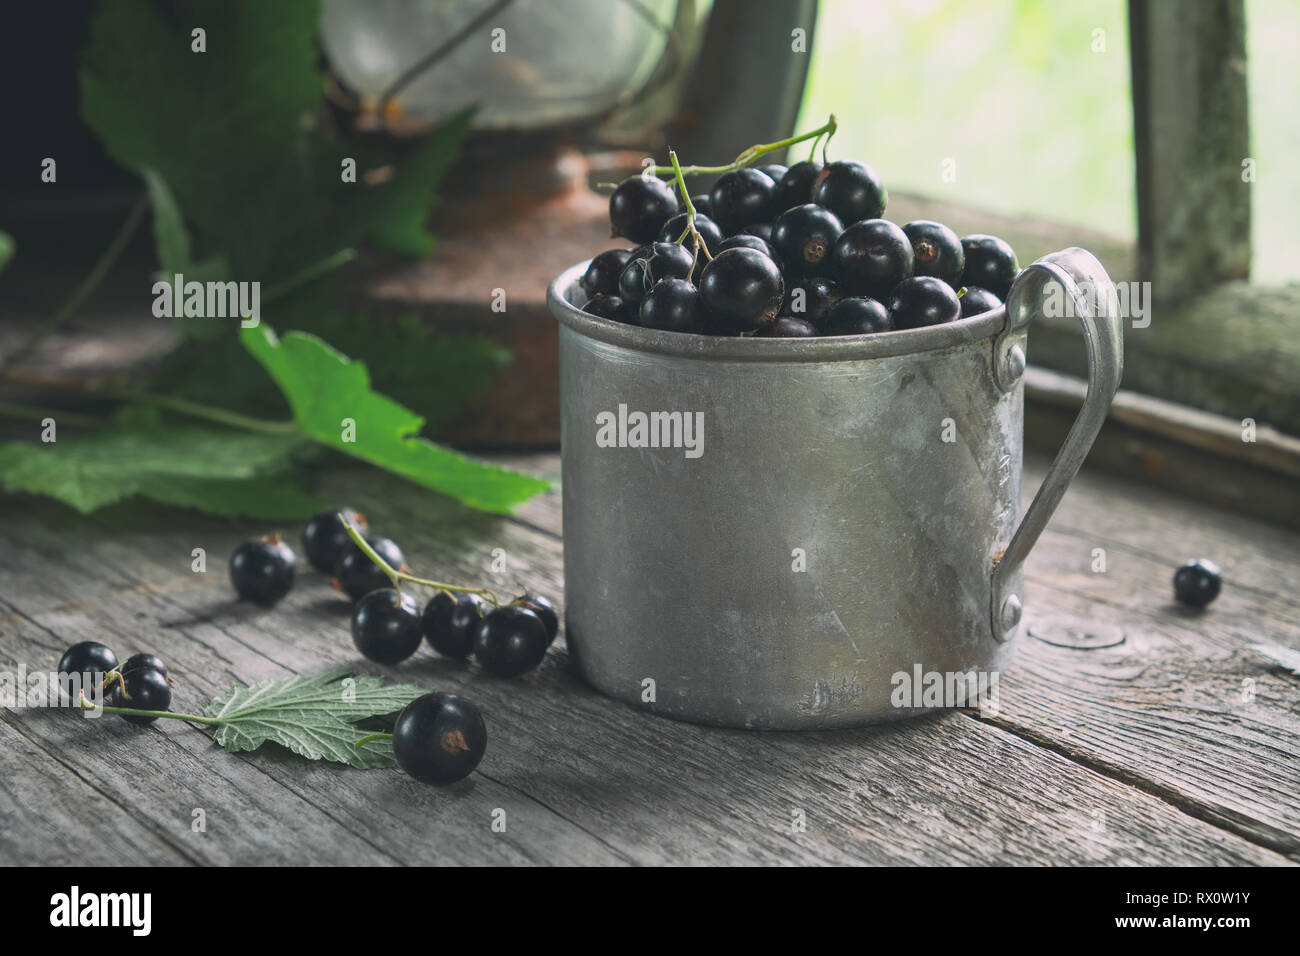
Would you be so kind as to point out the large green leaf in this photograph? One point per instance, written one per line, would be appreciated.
(315, 717)
(326, 391)
(223, 127)
(218, 470)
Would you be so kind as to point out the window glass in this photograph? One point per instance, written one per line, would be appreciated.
(1018, 106)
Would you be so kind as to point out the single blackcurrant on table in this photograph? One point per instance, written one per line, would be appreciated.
(357, 575)
(1197, 583)
(324, 537)
(449, 621)
(141, 689)
(545, 609)
(510, 641)
(143, 662)
(90, 661)
(386, 626)
(439, 739)
(262, 571)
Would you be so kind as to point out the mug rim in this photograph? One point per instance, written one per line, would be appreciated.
(560, 298)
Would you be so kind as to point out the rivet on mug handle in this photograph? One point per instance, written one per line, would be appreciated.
(1092, 296)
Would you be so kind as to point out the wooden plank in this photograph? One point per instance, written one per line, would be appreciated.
(581, 778)
(1190, 125)
(1174, 448)
(50, 815)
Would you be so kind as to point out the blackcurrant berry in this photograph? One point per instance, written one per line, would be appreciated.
(544, 609)
(90, 661)
(746, 240)
(872, 257)
(1197, 582)
(804, 237)
(449, 622)
(762, 230)
(990, 264)
(640, 206)
(774, 171)
(936, 251)
(795, 187)
(650, 264)
(143, 662)
(702, 204)
(786, 327)
(610, 307)
(741, 197)
(601, 277)
(856, 316)
(743, 284)
(851, 190)
(510, 641)
(977, 301)
(386, 626)
(141, 689)
(921, 301)
(262, 571)
(674, 305)
(811, 299)
(324, 537)
(357, 575)
(439, 738)
(706, 227)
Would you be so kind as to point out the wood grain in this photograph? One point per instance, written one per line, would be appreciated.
(1065, 774)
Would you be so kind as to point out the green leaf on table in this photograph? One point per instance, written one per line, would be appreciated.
(315, 717)
(325, 389)
(1286, 656)
(218, 470)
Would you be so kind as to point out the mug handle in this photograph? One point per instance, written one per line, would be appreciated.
(1089, 292)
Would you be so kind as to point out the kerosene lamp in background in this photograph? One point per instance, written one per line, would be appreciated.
(567, 93)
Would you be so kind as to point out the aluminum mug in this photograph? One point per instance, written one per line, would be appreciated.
(766, 533)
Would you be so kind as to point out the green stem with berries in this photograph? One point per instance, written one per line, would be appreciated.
(397, 576)
(749, 155)
(690, 230)
(136, 712)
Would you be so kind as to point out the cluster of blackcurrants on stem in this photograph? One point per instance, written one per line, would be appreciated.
(139, 683)
(507, 640)
(786, 252)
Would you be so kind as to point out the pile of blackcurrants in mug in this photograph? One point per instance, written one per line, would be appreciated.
(788, 252)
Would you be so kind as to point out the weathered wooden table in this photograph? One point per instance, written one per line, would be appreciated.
(1177, 745)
